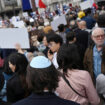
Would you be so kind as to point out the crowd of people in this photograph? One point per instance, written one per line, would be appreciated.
(66, 67)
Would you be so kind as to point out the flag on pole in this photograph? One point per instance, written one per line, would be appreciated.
(95, 5)
(40, 4)
(26, 5)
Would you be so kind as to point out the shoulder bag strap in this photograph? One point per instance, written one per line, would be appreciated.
(71, 86)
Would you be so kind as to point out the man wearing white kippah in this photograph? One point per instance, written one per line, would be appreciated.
(42, 78)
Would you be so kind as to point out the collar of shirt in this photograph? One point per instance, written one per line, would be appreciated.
(97, 61)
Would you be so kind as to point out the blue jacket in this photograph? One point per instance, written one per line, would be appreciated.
(90, 22)
(44, 99)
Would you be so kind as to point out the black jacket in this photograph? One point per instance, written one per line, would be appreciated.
(15, 89)
(4, 103)
(45, 99)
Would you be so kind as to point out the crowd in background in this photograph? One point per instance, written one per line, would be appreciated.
(66, 67)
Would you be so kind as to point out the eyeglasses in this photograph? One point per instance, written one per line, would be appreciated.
(51, 44)
(99, 36)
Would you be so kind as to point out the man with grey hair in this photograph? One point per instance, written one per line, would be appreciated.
(92, 59)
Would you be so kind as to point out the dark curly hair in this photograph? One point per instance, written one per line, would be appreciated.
(61, 27)
(100, 21)
(39, 79)
(70, 36)
(68, 57)
(55, 38)
(38, 33)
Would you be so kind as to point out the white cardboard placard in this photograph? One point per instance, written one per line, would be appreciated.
(11, 36)
(0, 23)
(19, 24)
(57, 22)
(25, 14)
(85, 5)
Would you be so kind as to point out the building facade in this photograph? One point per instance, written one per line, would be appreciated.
(53, 3)
(14, 6)
(10, 6)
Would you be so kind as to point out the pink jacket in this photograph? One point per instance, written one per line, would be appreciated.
(81, 81)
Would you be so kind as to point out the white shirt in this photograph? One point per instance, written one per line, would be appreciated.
(54, 60)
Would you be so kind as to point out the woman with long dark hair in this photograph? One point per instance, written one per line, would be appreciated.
(16, 85)
(75, 84)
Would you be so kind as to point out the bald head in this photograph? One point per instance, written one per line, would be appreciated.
(98, 31)
(82, 24)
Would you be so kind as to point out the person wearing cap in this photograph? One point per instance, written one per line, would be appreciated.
(81, 14)
(90, 21)
(92, 59)
(43, 84)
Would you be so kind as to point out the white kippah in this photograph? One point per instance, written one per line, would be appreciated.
(40, 62)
